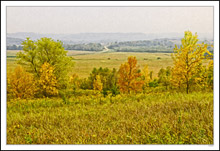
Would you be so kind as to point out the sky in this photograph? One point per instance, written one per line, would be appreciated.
(71, 20)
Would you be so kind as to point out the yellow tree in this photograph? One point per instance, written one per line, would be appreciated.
(97, 84)
(48, 81)
(145, 73)
(210, 74)
(21, 84)
(130, 76)
(187, 60)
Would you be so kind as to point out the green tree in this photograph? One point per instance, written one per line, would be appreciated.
(164, 76)
(108, 77)
(36, 53)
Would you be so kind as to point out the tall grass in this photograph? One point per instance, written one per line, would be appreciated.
(163, 118)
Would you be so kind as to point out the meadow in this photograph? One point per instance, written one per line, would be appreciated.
(160, 118)
(85, 61)
(156, 116)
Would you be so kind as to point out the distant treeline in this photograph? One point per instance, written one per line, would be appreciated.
(148, 43)
(158, 45)
(84, 47)
(14, 47)
(144, 50)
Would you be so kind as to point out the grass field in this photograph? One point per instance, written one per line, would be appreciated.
(135, 119)
(85, 61)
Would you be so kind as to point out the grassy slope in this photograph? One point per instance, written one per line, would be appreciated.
(137, 119)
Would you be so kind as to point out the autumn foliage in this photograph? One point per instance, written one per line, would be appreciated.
(187, 60)
(146, 76)
(20, 84)
(97, 84)
(48, 81)
(130, 76)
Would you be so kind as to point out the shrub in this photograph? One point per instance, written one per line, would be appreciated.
(153, 83)
(20, 84)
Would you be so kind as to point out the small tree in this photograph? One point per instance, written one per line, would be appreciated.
(145, 73)
(187, 60)
(130, 76)
(47, 82)
(164, 76)
(20, 84)
(97, 84)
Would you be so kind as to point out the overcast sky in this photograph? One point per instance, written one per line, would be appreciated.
(109, 19)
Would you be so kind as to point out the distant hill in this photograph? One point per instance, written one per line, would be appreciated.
(96, 37)
(13, 41)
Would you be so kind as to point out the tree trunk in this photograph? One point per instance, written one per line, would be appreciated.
(187, 87)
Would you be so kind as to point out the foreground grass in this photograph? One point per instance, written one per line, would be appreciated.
(136, 119)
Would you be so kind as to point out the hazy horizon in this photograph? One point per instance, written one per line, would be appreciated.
(76, 20)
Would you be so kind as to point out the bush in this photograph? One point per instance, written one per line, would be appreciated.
(158, 58)
(115, 90)
(20, 84)
(153, 83)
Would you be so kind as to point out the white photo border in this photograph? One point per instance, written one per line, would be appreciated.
(214, 4)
